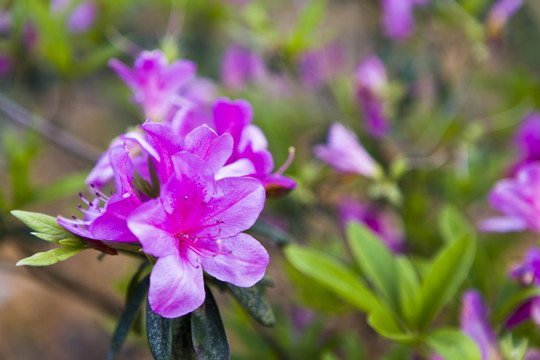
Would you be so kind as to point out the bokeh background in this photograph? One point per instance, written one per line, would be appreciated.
(459, 89)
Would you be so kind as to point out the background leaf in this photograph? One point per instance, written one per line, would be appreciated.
(207, 331)
(254, 301)
(159, 334)
(452, 344)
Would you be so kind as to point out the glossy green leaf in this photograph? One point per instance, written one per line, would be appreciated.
(207, 331)
(128, 317)
(453, 225)
(254, 301)
(409, 289)
(159, 334)
(444, 277)
(49, 257)
(333, 275)
(385, 325)
(452, 344)
(375, 260)
(182, 343)
(42, 223)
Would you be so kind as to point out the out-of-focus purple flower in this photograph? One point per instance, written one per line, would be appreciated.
(398, 18)
(371, 81)
(319, 66)
(532, 355)
(240, 66)
(499, 14)
(528, 272)
(82, 17)
(197, 225)
(5, 23)
(381, 222)
(518, 200)
(529, 310)
(155, 82)
(6, 65)
(344, 153)
(59, 6)
(474, 321)
(527, 141)
(250, 155)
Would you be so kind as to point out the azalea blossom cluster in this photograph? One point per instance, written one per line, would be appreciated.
(187, 183)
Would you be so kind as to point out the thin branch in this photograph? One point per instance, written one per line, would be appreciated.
(49, 131)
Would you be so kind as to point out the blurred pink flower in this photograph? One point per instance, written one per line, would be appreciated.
(474, 321)
(381, 222)
(499, 14)
(319, 66)
(371, 80)
(398, 18)
(155, 82)
(344, 153)
(518, 199)
(527, 142)
(82, 17)
(241, 66)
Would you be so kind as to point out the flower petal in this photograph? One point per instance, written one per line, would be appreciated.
(152, 227)
(242, 261)
(206, 144)
(176, 285)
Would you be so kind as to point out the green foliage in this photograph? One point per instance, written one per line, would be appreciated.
(253, 300)
(333, 275)
(159, 334)
(50, 257)
(446, 274)
(452, 344)
(209, 338)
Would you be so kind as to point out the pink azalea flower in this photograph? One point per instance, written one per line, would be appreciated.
(528, 273)
(383, 223)
(474, 320)
(250, 155)
(517, 199)
(240, 66)
(319, 66)
(196, 224)
(371, 80)
(155, 82)
(529, 310)
(527, 142)
(398, 19)
(82, 17)
(344, 153)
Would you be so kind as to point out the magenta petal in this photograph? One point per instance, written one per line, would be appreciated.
(235, 207)
(176, 285)
(112, 224)
(522, 313)
(166, 145)
(124, 72)
(241, 167)
(206, 144)
(122, 168)
(151, 226)
(232, 116)
(242, 261)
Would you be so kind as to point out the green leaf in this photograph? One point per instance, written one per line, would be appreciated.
(159, 334)
(452, 344)
(375, 260)
(444, 277)
(72, 242)
(311, 17)
(385, 324)
(42, 223)
(453, 225)
(182, 344)
(128, 317)
(51, 238)
(254, 301)
(49, 257)
(207, 331)
(333, 275)
(409, 289)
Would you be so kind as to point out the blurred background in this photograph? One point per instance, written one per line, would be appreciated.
(458, 85)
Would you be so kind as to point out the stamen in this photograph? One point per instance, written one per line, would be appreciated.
(287, 162)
